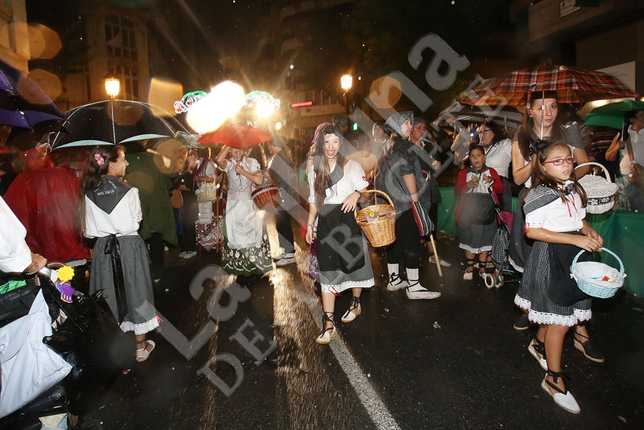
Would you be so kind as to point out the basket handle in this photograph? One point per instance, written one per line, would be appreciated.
(382, 193)
(621, 264)
(592, 163)
(355, 211)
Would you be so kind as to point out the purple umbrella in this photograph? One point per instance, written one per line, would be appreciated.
(22, 102)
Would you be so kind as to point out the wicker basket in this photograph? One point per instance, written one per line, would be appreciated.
(597, 279)
(378, 222)
(601, 192)
(206, 194)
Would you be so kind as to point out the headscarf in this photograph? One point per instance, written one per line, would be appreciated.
(109, 193)
(318, 130)
(396, 121)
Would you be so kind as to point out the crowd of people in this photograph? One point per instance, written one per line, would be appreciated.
(133, 206)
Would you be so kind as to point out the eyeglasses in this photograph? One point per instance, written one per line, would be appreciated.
(561, 161)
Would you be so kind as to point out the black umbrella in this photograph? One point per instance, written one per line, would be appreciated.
(505, 116)
(22, 102)
(112, 122)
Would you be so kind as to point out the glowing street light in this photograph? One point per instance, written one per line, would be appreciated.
(112, 87)
(346, 82)
(264, 109)
(223, 102)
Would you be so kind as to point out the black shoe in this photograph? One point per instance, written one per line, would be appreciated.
(588, 348)
(521, 323)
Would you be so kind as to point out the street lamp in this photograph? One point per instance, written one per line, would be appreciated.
(346, 82)
(112, 87)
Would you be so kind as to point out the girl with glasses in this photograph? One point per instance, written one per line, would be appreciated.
(498, 155)
(555, 209)
(541, 126)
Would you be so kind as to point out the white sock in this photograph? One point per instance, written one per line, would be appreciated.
(393, 269)
(412, 278)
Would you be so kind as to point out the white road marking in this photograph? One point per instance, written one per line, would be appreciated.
(372, 403)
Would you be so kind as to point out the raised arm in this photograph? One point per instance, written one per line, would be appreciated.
(613, 149)
(221, 157)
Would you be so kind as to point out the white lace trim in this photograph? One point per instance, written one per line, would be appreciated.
(327, 288)
(548, 318)
(475, 250)
(141, 328)
(515, 265)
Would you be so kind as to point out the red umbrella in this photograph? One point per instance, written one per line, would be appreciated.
(239, 136)
(573, 85)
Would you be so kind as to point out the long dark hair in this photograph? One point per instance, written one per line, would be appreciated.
(96, 166)
(525, 135)
(496, 129)
(321, 164)
(541, 177)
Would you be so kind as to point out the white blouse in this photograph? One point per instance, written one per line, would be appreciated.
(637, 143)
(123, 221)
(558, 216)
(354, 179)
(499, 156)
(239, 186)
(15, 255)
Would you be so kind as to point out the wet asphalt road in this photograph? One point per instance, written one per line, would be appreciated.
(451, 363)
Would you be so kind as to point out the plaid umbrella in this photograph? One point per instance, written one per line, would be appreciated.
(573, 85)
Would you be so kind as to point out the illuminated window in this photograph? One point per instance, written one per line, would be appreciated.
(122, 54)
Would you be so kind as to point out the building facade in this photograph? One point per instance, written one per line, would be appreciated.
(14, 34)
(606, 35)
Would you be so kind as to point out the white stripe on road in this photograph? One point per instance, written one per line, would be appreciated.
(375, 407)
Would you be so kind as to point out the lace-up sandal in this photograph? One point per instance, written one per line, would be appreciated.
(488, 279)
(564, 400)
(469, 270)
(538, 351)
(328, 333)
(396, 283)
(588, 348)
(142, 354)
(418, 292)
(353, 311)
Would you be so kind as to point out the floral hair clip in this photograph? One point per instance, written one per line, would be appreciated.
(99, 159)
